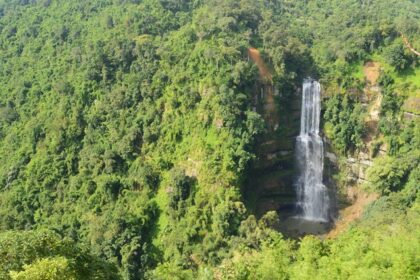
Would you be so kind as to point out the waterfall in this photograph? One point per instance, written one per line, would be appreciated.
(312, 195)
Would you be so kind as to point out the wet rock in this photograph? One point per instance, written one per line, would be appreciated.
(331, 157)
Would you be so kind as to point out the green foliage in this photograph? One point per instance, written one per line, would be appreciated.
(310, 254)
(345, 122)
(389, 174)
(259, 252)
(127, 128)
(45, 269)
(44, 254)
(396, 57)
(398, 133)
(180, 189)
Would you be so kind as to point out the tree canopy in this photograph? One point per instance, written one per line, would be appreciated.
(127, 128)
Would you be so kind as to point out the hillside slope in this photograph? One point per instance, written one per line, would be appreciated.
(129, 135)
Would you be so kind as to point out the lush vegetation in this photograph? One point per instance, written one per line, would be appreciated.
(127, 127)
(345, 124)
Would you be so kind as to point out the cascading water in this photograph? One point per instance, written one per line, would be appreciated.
(312, 195)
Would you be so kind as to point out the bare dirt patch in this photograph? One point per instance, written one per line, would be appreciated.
(270, 112)
(412, 104)
(372, 119)
(371, 70)
(408, 45)
(255, 56)
(360, 200)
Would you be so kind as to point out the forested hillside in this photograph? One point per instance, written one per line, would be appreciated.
(128, 129)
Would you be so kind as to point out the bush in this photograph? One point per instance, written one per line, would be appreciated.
(396, 57)
(390, 174)
(57, 268)
(344, 119)
(38, 251)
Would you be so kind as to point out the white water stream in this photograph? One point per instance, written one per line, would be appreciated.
(312, 195)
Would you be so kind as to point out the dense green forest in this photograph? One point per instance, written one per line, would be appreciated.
(127, 130)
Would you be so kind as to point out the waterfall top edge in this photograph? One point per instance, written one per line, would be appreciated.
(309, 80)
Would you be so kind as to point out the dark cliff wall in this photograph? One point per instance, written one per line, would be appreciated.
(270, 182)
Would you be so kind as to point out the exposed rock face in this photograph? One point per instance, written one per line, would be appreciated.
(359, 200)
(331, 157)
(270, 182)
(371, 98)
(412, 106)
(371, 72)
(411, 116)
(357, 167)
